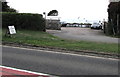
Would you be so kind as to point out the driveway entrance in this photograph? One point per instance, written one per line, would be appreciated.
(85, 34)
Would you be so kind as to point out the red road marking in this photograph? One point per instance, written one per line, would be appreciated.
(3, 73)
(8, 72)
(16, 72)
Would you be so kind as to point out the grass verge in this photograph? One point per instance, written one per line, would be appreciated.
(45, 39)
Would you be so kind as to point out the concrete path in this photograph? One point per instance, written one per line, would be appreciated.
(86, 34)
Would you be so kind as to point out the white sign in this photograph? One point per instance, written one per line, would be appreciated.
(12, 29)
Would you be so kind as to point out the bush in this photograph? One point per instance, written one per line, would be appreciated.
(23, 21)
(113, 13)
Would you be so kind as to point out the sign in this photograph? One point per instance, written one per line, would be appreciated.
(12, 29)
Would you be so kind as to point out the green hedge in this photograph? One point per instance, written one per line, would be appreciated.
(23, 21)
(113, 11)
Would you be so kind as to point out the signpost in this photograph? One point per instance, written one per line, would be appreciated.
(12, 30)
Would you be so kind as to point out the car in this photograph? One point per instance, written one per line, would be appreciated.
(96, 26)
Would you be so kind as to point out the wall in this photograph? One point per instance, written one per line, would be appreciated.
(53, 24)
(114, 0)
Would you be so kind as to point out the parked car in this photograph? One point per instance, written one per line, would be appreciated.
(96, 26)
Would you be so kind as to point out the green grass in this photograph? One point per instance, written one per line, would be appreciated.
(45, 39)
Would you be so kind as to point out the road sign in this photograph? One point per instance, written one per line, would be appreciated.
(12, 29)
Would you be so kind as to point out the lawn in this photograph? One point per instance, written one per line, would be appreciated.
(45, 39)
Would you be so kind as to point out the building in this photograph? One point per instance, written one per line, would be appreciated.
(114, 1)
(3, 0)
(53, 24)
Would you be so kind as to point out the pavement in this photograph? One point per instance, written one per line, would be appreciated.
(56, 63)
(84, 34)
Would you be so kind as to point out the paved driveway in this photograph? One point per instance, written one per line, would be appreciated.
(86, 34)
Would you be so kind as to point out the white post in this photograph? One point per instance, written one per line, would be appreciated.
(45, 19)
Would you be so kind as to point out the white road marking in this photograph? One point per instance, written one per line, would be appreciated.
(61, 53)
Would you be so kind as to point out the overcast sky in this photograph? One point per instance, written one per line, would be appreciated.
(69, 10)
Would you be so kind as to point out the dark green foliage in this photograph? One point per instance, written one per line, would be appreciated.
(6, 8)
(53, 13)
(23, 21)
(113, 23)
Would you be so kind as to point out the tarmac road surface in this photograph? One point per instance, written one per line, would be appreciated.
(86, 34)
(57, 63)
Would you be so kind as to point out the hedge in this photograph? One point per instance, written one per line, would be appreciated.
(113, 17)
(23, 21)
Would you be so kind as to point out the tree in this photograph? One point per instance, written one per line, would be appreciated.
(113, 18)
(53, 13)
(6, 8)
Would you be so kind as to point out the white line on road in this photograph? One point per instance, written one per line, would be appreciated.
(61, 53)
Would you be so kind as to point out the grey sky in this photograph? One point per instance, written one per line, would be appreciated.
(69, 10)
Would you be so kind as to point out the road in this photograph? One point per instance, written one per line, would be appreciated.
(57, 63)
(13, 72)
(84, 34)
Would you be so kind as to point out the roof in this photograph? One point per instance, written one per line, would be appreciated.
(3, 0)
(114, 0)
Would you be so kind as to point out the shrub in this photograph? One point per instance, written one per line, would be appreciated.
(23, 21)
(113, 18)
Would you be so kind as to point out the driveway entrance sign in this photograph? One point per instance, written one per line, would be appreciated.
(12, 29)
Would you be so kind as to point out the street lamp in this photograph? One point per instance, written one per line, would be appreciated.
(45, 20)
(44, 14)
(79, 22)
